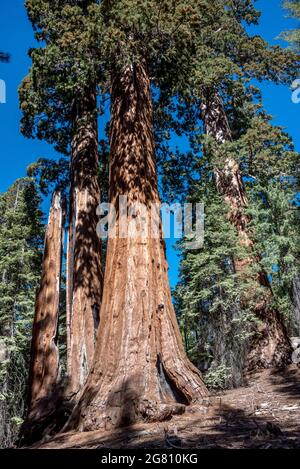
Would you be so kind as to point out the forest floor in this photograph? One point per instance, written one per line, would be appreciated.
(265, 414)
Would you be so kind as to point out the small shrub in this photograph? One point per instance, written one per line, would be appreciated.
(217, 378)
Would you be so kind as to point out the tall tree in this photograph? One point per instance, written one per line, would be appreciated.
(234, 53)
(84, 274)
(218, 301)
(21, 238)
(44, 367)
(221, 60)
(140, 369)
(294, 37)
(58, 99)
(271, 347)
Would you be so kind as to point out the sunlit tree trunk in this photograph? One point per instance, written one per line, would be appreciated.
(271, 346)
(44, 365)
(140, 369)
(84, 274)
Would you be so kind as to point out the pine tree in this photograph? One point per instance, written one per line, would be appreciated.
(21, 238)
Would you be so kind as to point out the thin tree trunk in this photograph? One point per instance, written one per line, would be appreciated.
(44, 366)
(140, 369)
(296, 300)
(271, 347)
(84, 274)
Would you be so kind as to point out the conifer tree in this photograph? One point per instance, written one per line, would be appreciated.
(294, 37)
(21, 239)
(44, 366)
(294, 8)
(233, 53)
(211, 297)
(58, 99)
(271, 347)
(140, 369)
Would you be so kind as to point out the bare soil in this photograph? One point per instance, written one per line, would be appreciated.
(265, 414)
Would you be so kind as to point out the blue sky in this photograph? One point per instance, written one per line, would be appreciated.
(16, 37)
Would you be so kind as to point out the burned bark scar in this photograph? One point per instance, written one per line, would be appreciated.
(96, 316)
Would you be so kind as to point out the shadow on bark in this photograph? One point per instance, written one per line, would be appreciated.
(47, 418)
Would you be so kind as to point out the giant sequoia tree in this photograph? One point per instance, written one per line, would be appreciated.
(44, 366)
(140, 369)
(211, 292)
(294, 37)
(223, 63)
(58, 99)
(214, 75)
(271, 347)
(184, 56)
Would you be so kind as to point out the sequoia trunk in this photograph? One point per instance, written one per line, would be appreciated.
(271, 346)
(296, 300)
(44, 365)
(140, 369)
(84, 274)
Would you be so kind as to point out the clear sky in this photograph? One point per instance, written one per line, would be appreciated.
(16, 37)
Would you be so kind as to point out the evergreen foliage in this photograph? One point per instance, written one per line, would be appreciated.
(192, 48)
(294, 8)
(215, 321)
(21, 242)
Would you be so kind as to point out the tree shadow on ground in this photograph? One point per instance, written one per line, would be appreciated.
(287, 382)
(221, 425)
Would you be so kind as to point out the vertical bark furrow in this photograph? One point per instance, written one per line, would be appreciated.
(84, 274)
(138, 326)
(44, 352)
(271, 345)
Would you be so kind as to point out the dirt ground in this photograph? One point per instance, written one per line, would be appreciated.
(265, 414)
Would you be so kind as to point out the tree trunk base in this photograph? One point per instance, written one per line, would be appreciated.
(46, 419)
(271, 346)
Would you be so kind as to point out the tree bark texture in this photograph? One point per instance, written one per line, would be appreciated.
(296, 300)
(44, 367)
(84, 273)
(271, 345)
(140, 370)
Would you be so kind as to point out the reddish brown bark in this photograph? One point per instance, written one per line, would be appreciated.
(44, 365)
(140, 369)
(271, 345)
(84, 274)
